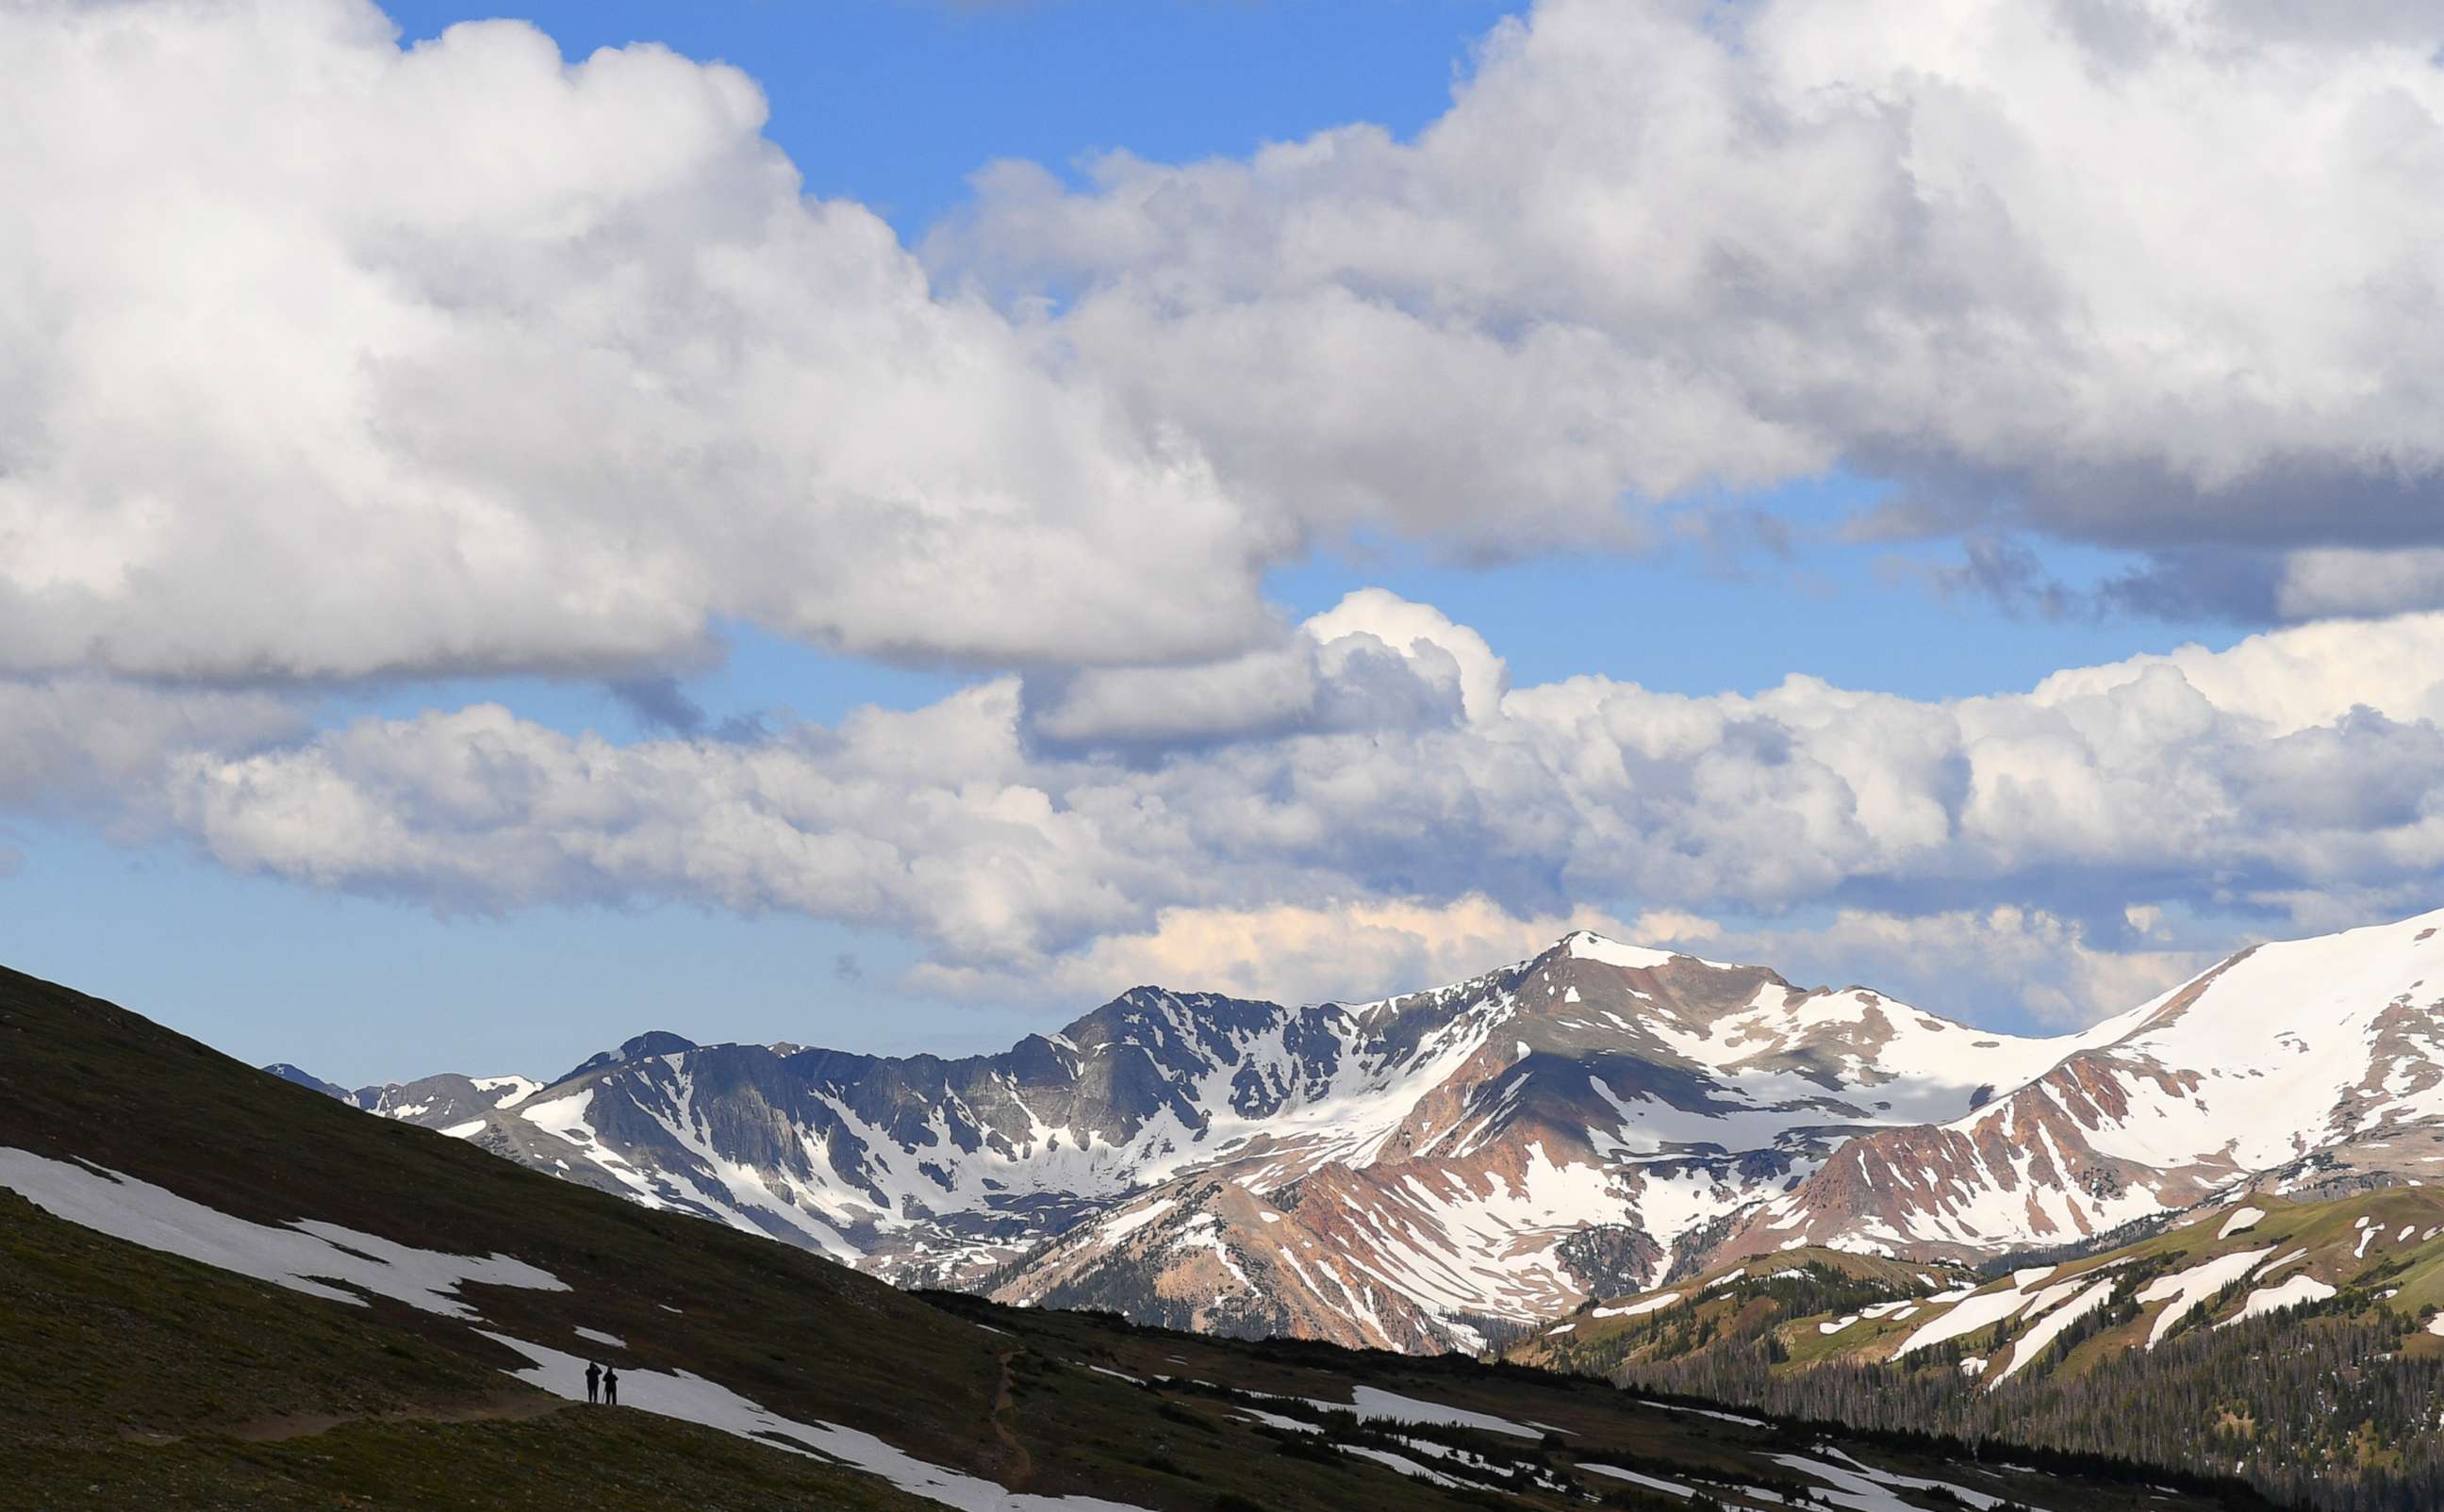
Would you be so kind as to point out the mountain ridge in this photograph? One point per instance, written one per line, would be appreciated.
(1434, 1168)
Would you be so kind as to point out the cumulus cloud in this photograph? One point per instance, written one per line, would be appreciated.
(325, 359)
(2294, 680)
(1373, 661)
(2299, 765)
(2347, 580)
(100, 747)
(2137, 275)
(1332, 950)
(1981, 965)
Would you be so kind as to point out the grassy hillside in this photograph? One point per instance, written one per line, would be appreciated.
(141, 1376)
(2290, 1339)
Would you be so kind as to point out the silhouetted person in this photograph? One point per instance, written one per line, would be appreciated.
(610, 1387)
(593, 1381)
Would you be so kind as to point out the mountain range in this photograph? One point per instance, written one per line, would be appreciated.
(1423, 1171)
(220, 1292)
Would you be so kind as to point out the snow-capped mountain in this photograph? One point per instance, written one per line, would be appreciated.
(2292, 1066)
(1404, 1172)
(456, 1105)
(1382, 1173)
(1591, 1116)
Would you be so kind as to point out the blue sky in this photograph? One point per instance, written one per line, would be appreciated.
(489, 930)
(896, 102)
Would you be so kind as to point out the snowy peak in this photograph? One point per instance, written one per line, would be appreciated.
(1596, 1118)
(459, 1106)
(2295, 1066)
(2254, 996)
(1877, 1059)
(651, 1042)
(1561, 1125)
(1586, 945)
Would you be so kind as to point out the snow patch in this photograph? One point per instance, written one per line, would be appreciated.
(2300, 1289)
(2037, 1340)
(1276, 1420)
(1406, 1466)
(1585, 946)
(1377, 1406)
(691, 1398)
(1864, 1488)
(1636, 1479)
(2184, 1290)
(1654, 1303)
(305, 1256)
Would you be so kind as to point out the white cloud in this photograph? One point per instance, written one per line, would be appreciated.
(2136, 275)
(925, 821)
(100, 747)
(1374, 660)
(2197, 780)
(2300, 678)
(325, 359)
(1333, 952)
(1985, 967)
(1438, 649)
(2356, 581)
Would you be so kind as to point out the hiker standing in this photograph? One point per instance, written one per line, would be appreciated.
(611, 1386)
(593, 1381)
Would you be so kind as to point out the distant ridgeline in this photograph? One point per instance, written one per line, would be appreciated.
(1430, 1171)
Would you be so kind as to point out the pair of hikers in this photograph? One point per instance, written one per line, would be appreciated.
(602, 1385)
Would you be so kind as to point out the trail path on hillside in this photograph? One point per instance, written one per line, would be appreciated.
(1022, 1464)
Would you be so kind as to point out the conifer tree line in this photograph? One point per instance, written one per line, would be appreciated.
(2315, 1407)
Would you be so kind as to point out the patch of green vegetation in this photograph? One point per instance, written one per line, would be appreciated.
(571, 1460)
(2329, 1403)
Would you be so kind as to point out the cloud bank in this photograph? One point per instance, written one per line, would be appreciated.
(2302, 770)
(2136, 275)
(325, 358)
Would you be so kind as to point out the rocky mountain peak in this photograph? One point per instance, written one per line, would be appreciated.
(651, 1042)
(1162, 1022)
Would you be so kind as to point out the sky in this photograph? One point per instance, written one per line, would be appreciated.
(884, 524)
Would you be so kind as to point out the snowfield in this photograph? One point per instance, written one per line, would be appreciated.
(692, 1399)
(319, 1258)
